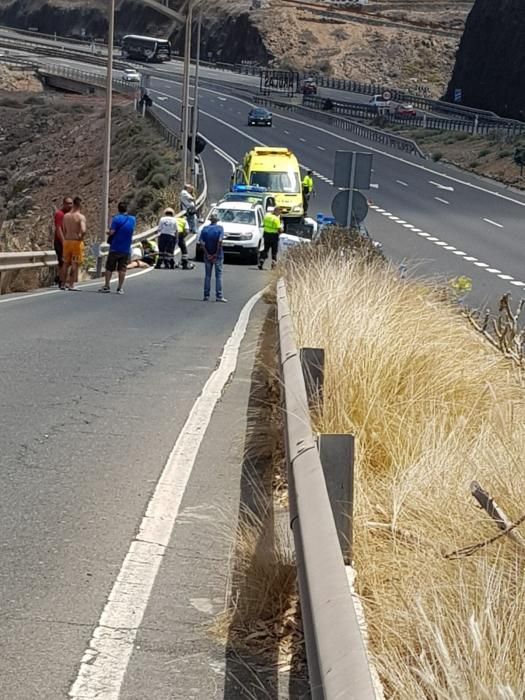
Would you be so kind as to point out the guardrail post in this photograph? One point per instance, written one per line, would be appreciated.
(312, 363)
(337, 458)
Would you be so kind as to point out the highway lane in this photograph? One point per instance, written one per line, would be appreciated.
(94, 391)
(417, 218)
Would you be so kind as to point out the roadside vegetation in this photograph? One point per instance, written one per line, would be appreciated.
(434, 407)
(489, 156)
(51, 146)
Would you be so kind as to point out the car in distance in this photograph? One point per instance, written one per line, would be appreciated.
(259, 116)
(309, 87)
(379, 102)
(405, 110)
(130, 75)
(243, 229)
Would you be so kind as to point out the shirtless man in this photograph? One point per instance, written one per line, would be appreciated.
(74, 230)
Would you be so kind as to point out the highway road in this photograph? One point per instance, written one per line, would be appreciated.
(441, 221)
(95, 391)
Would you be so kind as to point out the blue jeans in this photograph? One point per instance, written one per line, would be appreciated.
(218, 278)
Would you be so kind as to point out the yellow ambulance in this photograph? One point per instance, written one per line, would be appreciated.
(277, 171)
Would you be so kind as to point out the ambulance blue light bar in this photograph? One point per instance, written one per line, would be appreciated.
(248, 188)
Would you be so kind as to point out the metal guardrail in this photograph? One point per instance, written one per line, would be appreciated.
(87, 78)
(482, 125)
(338, 666)
(367, 132)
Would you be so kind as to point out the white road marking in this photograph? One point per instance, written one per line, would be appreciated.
(442, 187)
(433, 238)
(380, 211)
(470, 258)
(104, 663)
(286, 132)
(423, 234)
(387, 213)
(81, 285)
(506, 277)
(416, 230)
(441, 243)
(373, 149)
(388, 155)
(480, 264)
(493, 270)
(374, 185)
(518, 284)
(494, 223)
(222, 99)
(321, 148)
(400, 182)
(401, 221)
(303, 140)
(408, 226)
(449, 247)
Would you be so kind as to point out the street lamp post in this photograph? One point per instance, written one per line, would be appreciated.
(185, 116)
(107, 134)
(195, 120)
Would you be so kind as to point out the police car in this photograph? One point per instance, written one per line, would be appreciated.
(243, 229)
(250, 193)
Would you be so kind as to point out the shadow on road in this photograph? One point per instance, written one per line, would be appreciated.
(254, 672)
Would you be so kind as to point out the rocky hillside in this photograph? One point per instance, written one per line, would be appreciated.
(404, 43)
(491, 58)
(50, 147)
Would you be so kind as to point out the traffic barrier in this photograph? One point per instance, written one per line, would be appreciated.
(480, 125)
(338, 666)
(367, 132)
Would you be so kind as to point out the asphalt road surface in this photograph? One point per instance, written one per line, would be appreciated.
(95, 390)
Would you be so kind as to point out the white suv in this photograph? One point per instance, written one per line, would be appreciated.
(130, 75)
(243, 228)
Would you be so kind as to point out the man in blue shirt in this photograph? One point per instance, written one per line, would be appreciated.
(211, 238)
(120, 239)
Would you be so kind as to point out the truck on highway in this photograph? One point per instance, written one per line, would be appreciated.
(277, 170)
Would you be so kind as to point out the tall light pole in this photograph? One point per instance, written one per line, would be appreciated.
(107, 133)
(195, 120)
(185, 116)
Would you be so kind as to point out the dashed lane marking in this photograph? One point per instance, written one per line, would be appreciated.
(493, 223)
(443, 201)
(403, 184)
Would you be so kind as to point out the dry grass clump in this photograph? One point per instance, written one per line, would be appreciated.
(433, 407)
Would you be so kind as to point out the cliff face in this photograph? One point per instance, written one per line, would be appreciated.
(225, 38)
(490, 62)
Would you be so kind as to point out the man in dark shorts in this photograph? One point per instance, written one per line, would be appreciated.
(58, 241)
(120, 239)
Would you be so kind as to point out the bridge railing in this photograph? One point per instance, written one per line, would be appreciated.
(338, 665)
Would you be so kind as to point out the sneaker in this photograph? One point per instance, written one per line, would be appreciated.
(206, 299)
(120, 291)
(62, 287)
(104, 290)
(273, 264)
(222, 300)
(260, 265)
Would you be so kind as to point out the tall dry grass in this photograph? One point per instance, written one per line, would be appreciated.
(433, 407)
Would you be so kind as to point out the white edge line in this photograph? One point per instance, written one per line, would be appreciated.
(83, 285)
(493, 223)
(372, 149)
(104, 663)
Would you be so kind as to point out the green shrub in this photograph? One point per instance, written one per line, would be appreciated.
(437, 156)
(484, 152)
(158, 180)
(144, 197)
(474, 164)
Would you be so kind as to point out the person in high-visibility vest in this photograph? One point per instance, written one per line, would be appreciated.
(273, 227)
(183, 229)
(308, 188)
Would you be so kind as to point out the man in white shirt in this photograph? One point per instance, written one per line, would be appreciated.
(168, 234)
(187, 203)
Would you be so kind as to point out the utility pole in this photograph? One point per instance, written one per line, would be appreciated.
(185, 116)
(107, 134)
(195, 115)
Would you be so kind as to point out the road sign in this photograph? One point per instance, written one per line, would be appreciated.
(343, 170)
(280, 81)
(341, 203)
